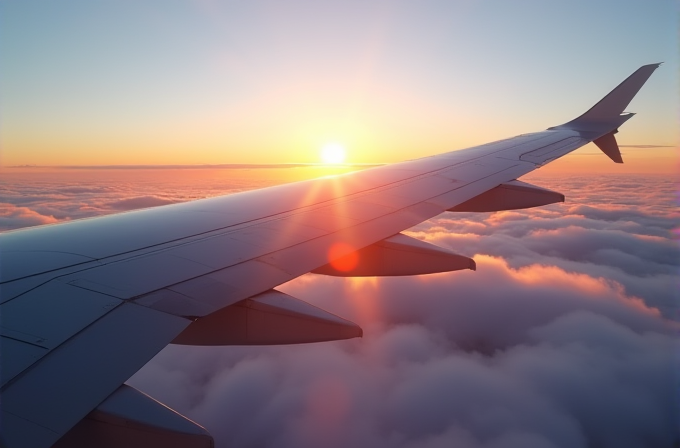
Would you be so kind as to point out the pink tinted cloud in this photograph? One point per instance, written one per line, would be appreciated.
(498, 357)
(496, 300)
(12, 217)
(562, 338)
(136, 202)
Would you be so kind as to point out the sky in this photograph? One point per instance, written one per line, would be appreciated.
(565, 336)
(213, 82)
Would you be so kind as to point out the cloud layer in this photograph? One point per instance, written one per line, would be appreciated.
(563, 337)
(41, 196)
(494, 358)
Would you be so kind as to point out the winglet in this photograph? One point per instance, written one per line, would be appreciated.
(601, 121)
(609, 110)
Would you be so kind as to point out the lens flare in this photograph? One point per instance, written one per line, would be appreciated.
(343, 257)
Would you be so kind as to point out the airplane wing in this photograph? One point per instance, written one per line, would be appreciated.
(85, 304)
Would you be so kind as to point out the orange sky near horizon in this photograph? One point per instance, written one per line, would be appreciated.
(586, 160)
(265, 83)
(590, 160)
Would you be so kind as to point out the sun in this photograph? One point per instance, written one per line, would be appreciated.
(333, 153)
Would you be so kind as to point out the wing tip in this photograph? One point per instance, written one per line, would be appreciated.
(608, 113)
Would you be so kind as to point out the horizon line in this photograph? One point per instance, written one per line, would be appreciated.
(199, 166)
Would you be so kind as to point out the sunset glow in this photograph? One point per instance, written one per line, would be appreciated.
(588, 282)
(204, 159)
(274, 82)
(333, 153)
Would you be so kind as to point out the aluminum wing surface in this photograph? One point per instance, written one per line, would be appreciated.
(85, 304)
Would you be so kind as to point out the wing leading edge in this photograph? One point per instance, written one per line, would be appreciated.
(180, 272)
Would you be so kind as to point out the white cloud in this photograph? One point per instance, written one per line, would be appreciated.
(556, 341)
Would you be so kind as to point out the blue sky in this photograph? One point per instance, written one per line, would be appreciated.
(264, 81)
(555, 340)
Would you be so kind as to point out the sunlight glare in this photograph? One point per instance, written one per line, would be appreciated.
(333, 153)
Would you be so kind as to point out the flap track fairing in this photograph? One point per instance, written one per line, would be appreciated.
(270, 318)
(132, 419)
(398, 255)
(511, 195)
